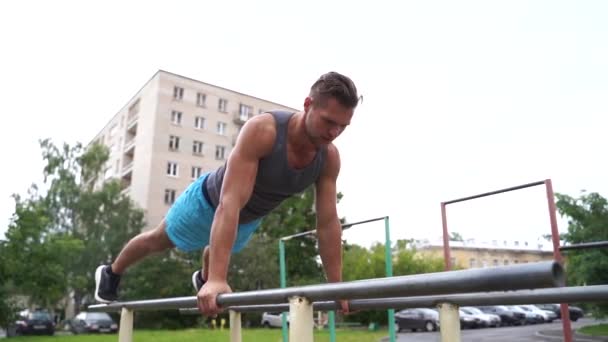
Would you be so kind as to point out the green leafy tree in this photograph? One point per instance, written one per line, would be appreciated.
(361, 263)
(587, 222)
(6, 308)
(455, 236)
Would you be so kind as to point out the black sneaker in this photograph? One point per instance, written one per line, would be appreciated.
(197, 280)
(106, 284)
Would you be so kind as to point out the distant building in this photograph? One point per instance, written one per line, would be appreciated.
(476, 254)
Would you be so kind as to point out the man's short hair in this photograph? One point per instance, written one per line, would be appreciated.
(337, 86)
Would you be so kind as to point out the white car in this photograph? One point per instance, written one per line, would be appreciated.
(489, 320)
(273, 319)
(546, 315)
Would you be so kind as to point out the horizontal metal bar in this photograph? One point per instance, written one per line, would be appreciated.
(586, 245)
(529, 185)
(574, 294)
(344, 227)
(501, 278)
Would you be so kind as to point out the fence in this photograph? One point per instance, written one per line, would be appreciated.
(380, 293)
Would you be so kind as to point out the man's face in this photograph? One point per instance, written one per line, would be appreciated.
(326, 122)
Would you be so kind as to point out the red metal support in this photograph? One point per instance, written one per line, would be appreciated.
(446, 239)
(565, 312)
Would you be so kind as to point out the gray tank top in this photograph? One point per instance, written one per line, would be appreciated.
(275, 180)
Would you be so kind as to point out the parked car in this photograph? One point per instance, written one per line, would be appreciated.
(36, 322)
(273, 319)
(530, 317)
(419, 318)
(548, 316)
(93, 322)
(507, 317)
(575, 312)
(488, 320)
(468, 321)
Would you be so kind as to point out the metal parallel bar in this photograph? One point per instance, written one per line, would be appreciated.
(574, 294)
(344, 227)
(529, 185)
(586, 245)
(502, 278)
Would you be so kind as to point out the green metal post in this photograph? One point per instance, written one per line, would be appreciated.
(389, 273)
(283, 285)
(332, 326)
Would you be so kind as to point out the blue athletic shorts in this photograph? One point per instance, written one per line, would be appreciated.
(188, 222)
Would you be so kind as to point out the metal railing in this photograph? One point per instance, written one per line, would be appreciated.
(301, 298)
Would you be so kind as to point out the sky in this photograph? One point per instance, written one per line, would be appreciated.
(459, 97)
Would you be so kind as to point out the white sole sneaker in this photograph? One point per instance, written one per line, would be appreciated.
(194, 281)
(97, 281)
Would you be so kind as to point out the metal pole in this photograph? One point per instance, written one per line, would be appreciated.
(565, 312)
(332, 326)
(574, 294)
(125, 333)
(235, 326)
(449, 322)
(586, 245)
(519, 187)
(300, 319)
(388, 252)
(501, 278)
(446, 239)
(283, 271)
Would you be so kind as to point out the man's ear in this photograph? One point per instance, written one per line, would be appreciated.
(307, 103)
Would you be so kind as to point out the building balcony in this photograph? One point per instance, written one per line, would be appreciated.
(127, 169)
(132, 126)
(129, 148)
(240, 118)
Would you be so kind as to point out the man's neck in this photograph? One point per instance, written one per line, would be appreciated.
(298, 137)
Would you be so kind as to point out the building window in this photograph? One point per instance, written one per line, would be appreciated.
(178, 93)
(261, 111)
(173, 143)
(516, 243)
(197, 147)
(199, 122)
(516, 262)
(222, 105)
(221, 128)
(201, 99)
(495, 262)
(220, 152)
(506, 262)
(472, 263)
(172, 169)
(169, 196)
(244, 112)
(112, 130)
(196, 172)
(176, 117)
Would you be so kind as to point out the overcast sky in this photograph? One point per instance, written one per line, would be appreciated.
(460, 97)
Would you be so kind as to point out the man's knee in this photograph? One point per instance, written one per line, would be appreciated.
(157, 240)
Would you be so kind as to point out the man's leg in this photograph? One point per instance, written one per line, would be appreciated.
(107, 277)
(144, 244)
(199, 277)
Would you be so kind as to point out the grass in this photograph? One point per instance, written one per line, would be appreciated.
(595, 330)
(191, 335)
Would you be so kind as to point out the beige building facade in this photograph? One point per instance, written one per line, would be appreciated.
(173, 130)
(473, 254)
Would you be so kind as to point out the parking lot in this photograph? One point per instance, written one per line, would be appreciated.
(525, 333)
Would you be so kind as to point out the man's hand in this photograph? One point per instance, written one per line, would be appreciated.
(207, 296)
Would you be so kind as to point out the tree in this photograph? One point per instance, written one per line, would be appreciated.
(360, 263)
(587, 222)
(455, 236)
(56, 240)
(6, 308)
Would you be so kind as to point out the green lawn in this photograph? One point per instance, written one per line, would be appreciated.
(198, 335)
(595, 330)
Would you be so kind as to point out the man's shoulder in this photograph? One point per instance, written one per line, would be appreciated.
(259, 132)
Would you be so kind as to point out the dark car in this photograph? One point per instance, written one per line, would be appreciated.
(93, 322)
(575, 312)
(414, 319)
(37, 322)
(507, 317)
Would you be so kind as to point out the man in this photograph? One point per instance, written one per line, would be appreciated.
(277, 154)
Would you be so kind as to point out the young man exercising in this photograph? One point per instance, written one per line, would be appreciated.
(277, 154)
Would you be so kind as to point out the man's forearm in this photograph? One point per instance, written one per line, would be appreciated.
(330, 248)
(223, 234)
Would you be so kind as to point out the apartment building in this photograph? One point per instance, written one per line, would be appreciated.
(174, 129)
(473, 253)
